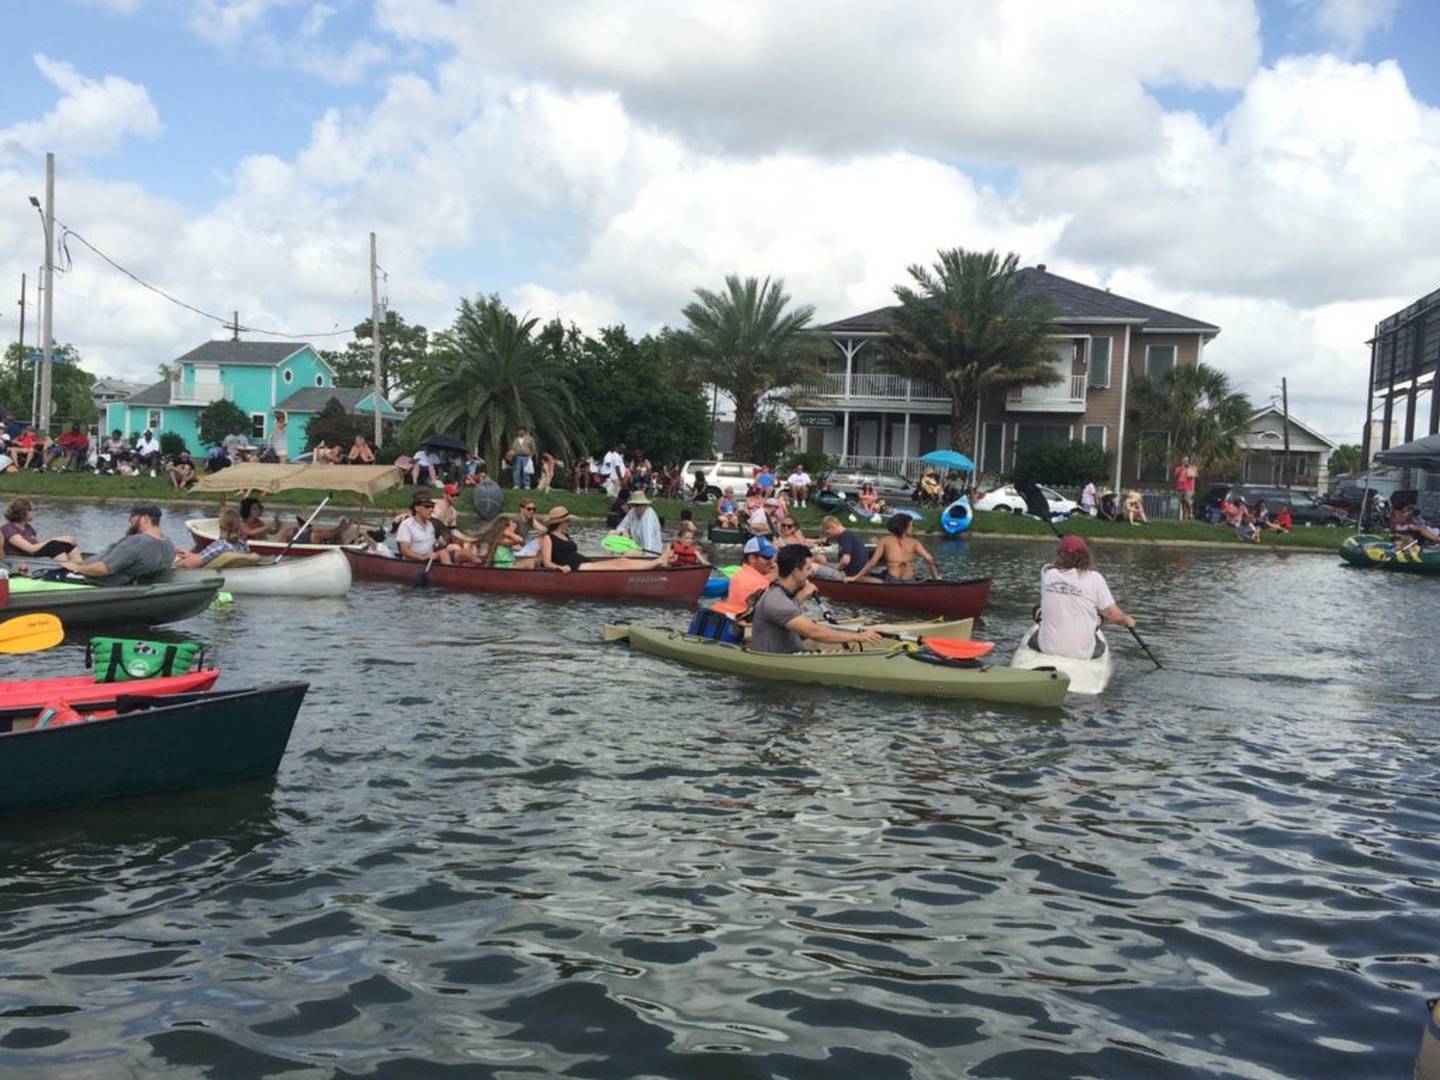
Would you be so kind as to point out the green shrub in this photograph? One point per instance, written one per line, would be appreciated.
(819, 464)
(1071, 465)
(221, 418)
(171, 444)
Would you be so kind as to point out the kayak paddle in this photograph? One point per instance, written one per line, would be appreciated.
(308, 521)
(422, 577)
(30, 633)
(1142, 644)
(619, 545)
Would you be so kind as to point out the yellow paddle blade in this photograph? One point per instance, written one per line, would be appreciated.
(30, 633)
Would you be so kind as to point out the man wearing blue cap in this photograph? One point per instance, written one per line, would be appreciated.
(754, 576)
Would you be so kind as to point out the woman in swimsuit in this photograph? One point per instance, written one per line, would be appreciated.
(790, 533)
(559, 552)
(899, 551)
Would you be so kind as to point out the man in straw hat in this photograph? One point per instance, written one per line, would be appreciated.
(641, 524)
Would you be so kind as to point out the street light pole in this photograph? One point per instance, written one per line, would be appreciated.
(47, 309)
(375, 338)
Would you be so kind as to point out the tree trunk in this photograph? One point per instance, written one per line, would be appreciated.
(962, 426)
(744, 427)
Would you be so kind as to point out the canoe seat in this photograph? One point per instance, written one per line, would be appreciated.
(230, 560)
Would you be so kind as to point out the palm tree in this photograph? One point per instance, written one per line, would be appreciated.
(488, 377)
(969, 326)
(1189, 411)
(746, 343)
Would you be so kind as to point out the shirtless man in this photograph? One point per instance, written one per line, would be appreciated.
(898, 551)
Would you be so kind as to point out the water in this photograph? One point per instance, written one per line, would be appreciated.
(498, 848)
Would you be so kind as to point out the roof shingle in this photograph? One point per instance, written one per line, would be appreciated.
(256, 353)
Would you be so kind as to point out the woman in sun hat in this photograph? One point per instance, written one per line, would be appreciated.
(559, 552)
(1074, 599)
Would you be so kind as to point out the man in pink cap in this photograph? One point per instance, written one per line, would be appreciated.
(1073, 601)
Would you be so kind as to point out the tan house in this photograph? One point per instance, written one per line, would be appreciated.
(868, 417)
(1265, 461)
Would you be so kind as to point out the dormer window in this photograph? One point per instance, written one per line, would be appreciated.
(319, 380)
(288, 375)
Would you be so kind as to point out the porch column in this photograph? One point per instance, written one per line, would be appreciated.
(850, 350)
(905, 445)
(845, 423)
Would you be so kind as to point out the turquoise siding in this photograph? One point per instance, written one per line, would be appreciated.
(134, 419)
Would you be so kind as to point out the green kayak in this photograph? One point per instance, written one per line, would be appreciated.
(892, 670)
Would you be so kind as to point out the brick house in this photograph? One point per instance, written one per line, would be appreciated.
(868, 417)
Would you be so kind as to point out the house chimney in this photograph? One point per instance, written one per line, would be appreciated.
(1040, 267)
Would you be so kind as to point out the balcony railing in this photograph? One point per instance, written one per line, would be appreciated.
(192, 393)
(1049, 398)
(873, 386)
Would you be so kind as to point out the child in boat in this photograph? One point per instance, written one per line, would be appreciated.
(683, 551)
(231, 538)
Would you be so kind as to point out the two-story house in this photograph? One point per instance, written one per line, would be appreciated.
(260, 377)
(1102, 342)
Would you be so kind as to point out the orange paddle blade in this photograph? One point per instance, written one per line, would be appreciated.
(958, 648)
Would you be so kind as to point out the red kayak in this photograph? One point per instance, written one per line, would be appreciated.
(953, 599)
(675, 586)
(84, 690)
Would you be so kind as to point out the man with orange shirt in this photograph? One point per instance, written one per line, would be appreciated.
(754, 576)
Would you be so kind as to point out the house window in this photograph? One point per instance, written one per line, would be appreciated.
(992, 448)
(1158, 360)
(1027, 435)
(288, 375)
(319, 380)
(153, 419)
(1095, 435)
(1098, 374)
(1154, 457)
(257, 425)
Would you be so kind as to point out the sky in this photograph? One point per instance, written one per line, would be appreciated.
(1272, 167)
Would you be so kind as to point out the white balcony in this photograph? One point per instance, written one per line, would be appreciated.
(184, 392)
(1066, 396)
(873, 388)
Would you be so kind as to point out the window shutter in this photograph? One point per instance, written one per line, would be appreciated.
(1099, 366)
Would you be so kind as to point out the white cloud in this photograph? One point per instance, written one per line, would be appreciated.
(92, 117)
(249, 26)
(958, 78)
(1350, 23)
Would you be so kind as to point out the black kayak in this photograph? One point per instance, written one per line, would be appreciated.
(76, 604)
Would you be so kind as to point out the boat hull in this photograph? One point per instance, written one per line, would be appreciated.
(1089, 676)
(324, 573)
(1378, 553)
(876, 669)
(114, 605)
(206, 531)
(82, 690)
(953, 599)
(677, 586)
(175, 744)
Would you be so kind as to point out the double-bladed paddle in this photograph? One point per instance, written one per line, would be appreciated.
(30, 633)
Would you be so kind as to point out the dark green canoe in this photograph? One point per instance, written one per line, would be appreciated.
(113, 605)
(152, 744)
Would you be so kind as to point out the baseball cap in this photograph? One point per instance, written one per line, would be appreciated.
(1072, 543)
(146, 509)
(758, 545)
(451, 491)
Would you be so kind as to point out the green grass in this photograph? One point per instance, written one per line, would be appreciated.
(126, 489)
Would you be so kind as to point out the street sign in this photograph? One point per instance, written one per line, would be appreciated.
(817, 419)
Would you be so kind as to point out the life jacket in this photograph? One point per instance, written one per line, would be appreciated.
(58, 715)
(684, 554)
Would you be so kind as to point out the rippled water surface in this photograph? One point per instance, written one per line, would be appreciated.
(496, 847)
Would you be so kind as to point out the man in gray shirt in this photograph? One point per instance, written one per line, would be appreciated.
(779, 626)
(144, 552)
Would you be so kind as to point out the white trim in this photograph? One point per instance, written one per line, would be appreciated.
(1124, 404)
(321, 361)
(287, 376)
(1298, 423)
(1104, 434)
(262, 416)
(274, 400)
(1208, 332)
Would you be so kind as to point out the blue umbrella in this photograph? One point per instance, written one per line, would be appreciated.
(949, 459)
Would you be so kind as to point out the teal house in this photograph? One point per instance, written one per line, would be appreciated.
(260, 377)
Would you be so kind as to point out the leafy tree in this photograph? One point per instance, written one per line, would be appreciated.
(769, 439)
(817, 463)
(70, 386)
(746, 342)
(1189, 411)
(171, 443)
(1073, 464)
(219, 419)
(489, 376)
(336, 426)
(168, 372)
(969, 325)
(1346, 459)
(402, 349)
(631, 393)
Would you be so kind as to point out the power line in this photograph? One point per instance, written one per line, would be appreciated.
(68, 263)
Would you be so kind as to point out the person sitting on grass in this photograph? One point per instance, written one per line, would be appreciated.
(778, 625)
(1282, 521)
(1109, 507)
(230, 538)
(1247, 529)
(20, 537)
(181, 471)
(26, 449)
(726, 511)
(360, 452)
(147, 452)
(1233, 511)
(1135, 508)
(72, 448)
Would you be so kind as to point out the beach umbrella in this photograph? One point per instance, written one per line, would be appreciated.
(444, 442)
(948, 459)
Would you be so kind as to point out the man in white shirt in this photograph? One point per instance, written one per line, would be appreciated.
(612, 467)
(799, 484)
(424, 462)
(1073, 598)
(641, 524)
(147, 452)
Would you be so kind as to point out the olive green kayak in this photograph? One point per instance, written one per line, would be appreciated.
(892, 670)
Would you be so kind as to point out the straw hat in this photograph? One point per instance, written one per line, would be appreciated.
(557, 515)
(638, 499)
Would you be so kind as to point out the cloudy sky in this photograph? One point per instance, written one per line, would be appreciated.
(1272, 167)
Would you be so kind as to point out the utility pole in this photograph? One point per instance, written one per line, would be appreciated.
(1285, 408)
(234, 327)
(22, 312)
(375, 334)
(47, 309)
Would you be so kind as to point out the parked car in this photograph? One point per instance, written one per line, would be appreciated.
(892, 487)
(719, 475)
(1009, 501)
(1303, 509)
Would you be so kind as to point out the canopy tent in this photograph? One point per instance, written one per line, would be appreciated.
(368, 480)
(948, 459)
(1420, 454)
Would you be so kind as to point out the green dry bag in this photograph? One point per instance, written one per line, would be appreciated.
(121, 659)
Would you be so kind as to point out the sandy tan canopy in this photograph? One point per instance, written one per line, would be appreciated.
(268, 479)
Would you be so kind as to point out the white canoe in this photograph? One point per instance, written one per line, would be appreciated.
(207, 530)
(1089, 676)
(323, 574)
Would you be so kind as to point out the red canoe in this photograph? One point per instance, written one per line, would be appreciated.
(80, 690)
(678, 586)
(953, 599)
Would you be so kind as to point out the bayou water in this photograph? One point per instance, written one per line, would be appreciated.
(496, 847)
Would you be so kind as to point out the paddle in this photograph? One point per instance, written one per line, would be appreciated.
(950, 648)
(623, 545)
(1142, 644)
(306, 525)
(30, 633)
(422, 578)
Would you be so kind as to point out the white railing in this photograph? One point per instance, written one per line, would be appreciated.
(910, 467)
(874, 385)
(1037, 397)
(193, 393)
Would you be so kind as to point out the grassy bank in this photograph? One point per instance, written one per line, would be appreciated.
(126, 489)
